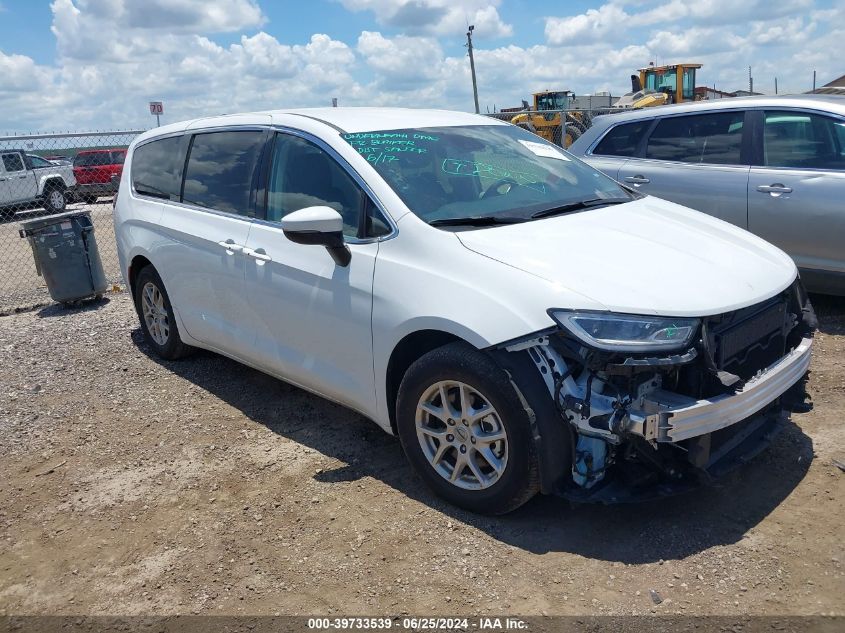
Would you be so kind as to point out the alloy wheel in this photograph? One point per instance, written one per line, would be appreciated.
(462, 435)
(155, 314)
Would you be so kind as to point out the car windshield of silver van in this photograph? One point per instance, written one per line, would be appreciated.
(483, 175)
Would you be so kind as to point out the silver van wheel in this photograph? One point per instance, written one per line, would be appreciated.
(461, 435)
(155, 314)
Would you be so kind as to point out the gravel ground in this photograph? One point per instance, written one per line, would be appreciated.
(136, 486)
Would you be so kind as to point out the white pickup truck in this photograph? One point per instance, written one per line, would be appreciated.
(27, 180)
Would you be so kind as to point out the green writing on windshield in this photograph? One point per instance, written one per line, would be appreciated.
(463, 167)
(381, 144)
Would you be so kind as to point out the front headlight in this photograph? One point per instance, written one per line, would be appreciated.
(627, 332)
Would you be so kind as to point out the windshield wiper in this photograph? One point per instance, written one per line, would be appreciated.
(581, 204)
(480, 220)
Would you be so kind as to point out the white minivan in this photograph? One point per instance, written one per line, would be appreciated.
(522, 322)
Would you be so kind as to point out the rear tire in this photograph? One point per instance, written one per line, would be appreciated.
(483, 432)
(158, 323)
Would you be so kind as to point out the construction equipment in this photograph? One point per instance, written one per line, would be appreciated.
(545, 119)
(677, 81)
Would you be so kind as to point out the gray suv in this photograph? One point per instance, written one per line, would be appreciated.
(772, 165)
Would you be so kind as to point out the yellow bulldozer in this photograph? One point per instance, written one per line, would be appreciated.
(545, 119)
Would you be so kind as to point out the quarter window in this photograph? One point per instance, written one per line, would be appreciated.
(802, 140)
(714, 138)
(157, 168)
(303, 175)
(222, 170)
(13, 162)
(622, 140)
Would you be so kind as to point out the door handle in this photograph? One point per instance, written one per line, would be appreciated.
(24, 176)
(775, 189)
(260, 255)
(230, 246)
(637, 180)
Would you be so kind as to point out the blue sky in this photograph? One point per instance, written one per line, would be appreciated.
(81, 64)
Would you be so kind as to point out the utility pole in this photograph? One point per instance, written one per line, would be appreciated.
(776, 85)
(472, 67)
(750, 81)
(814, 81)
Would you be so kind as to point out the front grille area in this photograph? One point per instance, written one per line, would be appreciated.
(748, 340)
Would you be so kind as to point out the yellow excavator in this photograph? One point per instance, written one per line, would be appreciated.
(660, 85)
(545, 119)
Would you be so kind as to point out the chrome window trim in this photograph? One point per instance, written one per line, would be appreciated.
(344, 164)
(676, 115)
(747, 108)
(800, 110)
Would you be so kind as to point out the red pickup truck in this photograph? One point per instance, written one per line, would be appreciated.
(94, 168)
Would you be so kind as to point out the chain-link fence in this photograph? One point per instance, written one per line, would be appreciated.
(561, 127)
(44, 174)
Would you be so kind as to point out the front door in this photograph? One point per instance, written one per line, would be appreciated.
(795, 197)
(697, 161)
(312, 317)
(19, 183)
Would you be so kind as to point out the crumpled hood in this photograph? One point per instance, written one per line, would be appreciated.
(648, 256)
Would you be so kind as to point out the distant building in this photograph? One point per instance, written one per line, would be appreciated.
(705, 92)
(746, 93)
(835, 87)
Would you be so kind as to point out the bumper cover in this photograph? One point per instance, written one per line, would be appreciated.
(669, 417)
(96, 188)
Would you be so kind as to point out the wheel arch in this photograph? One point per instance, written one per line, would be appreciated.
(137, 263)
(405, 353)
(51, 180)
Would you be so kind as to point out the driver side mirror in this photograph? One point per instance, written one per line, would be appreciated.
(322, 226)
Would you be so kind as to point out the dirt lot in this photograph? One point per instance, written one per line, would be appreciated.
(131, 485)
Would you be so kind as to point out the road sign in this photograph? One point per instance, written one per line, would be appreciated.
(156, 107)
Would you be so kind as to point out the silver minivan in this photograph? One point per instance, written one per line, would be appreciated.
(772, 165)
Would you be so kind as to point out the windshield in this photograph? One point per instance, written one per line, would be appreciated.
(490, 171)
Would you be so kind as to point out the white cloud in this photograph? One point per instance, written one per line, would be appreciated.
(437, 17)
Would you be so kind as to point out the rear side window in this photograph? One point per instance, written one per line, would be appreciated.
(222, 171)
(622, 140)
(714, 138)
(118, 157)
(803, 140)
(157, 168)
(92, 159)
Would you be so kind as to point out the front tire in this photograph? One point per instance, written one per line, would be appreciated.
(155, 312)
(464, 430)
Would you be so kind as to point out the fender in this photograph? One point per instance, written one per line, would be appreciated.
(43, 178)
(553, 439)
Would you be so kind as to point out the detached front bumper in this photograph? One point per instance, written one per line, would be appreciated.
(664, 416)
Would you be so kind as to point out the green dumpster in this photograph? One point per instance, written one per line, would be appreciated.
(66, 255)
